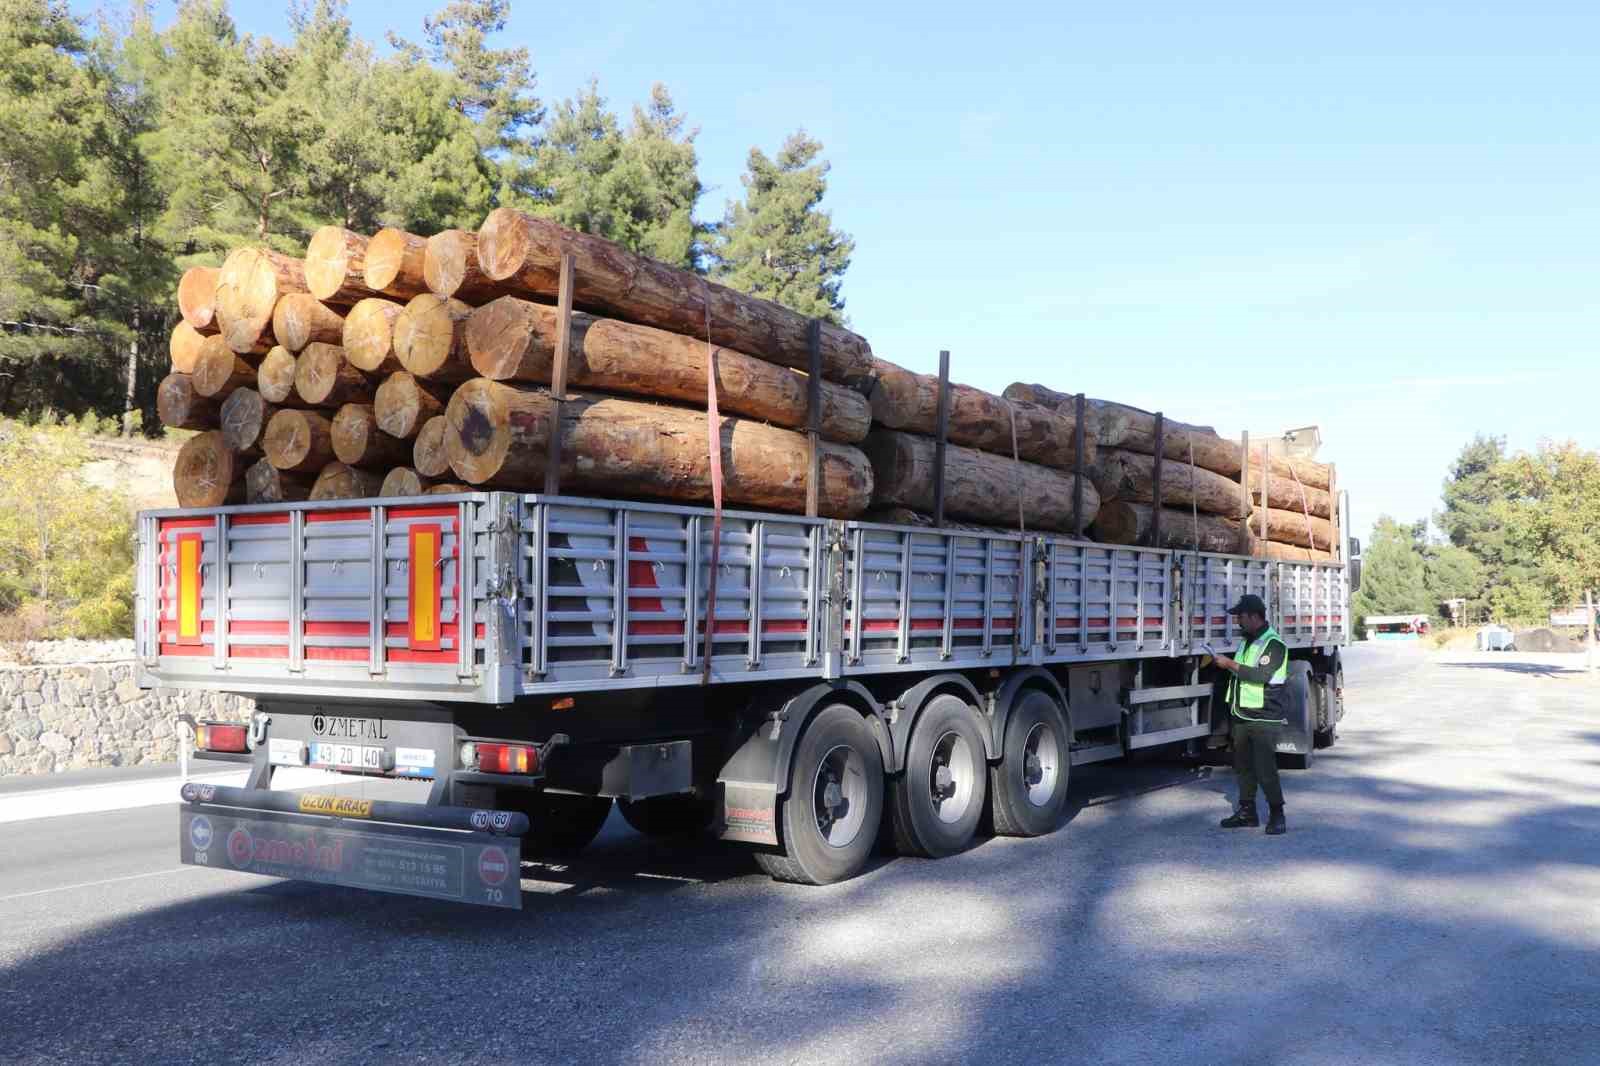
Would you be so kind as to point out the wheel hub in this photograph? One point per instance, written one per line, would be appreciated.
(951, 770)
(838, 795)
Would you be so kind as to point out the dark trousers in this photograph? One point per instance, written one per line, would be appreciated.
(1255, 760)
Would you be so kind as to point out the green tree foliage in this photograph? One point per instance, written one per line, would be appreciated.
(1453, 573)
(779, 243)
(637, 186)
(1393, 574)
(1553, 520)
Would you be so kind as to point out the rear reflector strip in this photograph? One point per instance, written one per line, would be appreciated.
(190, 550)
(427, 542)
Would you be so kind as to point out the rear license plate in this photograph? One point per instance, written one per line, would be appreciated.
(347, 756)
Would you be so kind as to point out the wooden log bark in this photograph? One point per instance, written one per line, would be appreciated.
(446, 488)
(218, 370)
(207, 473)
(978, 486)
(357, 440)
(336, 262)
(197, 298)
(450, 267)
(1119, 474)
(429, 453)
(1290, 553)
(1285, 493)
(244, 420)
(1292, 527)
(324, 378)
(299, 441)
(265, 483)
(275, 376)
(1128, 522)
(181, 407)
(404, 481)
(340, 482)
(184, 347)
(1121, 426)
(430, 338)
(512, 339)
(524, 253)
(369, 336)
(500, 435)
(403, 404)
(248, 288)
(909, 401)
(301, 318)
(395, 262)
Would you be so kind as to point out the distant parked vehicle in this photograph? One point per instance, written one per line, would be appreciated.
(1396, 626)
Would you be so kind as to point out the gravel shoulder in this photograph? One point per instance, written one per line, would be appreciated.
(1437, 900)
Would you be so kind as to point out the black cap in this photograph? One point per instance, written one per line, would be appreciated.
(1249, 603)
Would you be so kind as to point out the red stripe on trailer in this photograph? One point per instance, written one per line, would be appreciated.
(185, 649)
(258, 519)
(259, 651)
(448, 511)
(361, 515)
(345, 655)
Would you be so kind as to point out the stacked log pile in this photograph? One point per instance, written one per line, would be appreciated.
(398, 364)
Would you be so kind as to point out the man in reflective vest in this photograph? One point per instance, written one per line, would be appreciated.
(1257, 703)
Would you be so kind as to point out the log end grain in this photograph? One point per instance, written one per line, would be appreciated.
(218, 370)
(369, 335)
(184, 347)
(244, 419)
(429, 453)
(404, 481)
(248, 287)
(340, 482)
(180, 407)
(479, 436)
(300, 441)
(394, 263)
(503, 338)
(265, 483)
(207, 473)
(503, 243)
(402, 405)
(430, 337)
(301, 318)
(450, 264)
(197, 298)
(323, 377)
(275, 375)
(335, 263)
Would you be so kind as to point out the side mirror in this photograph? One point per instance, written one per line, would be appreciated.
(1355, 547)
(1355, 575)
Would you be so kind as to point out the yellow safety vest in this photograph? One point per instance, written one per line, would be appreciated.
(1252, 695)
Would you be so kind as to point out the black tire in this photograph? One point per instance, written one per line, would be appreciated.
(835, 787)
(1327, 730)
(560, 825)
(685, 815)
(939, 800)
(1028, 788)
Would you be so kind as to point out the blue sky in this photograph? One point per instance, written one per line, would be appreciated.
(1376, 218)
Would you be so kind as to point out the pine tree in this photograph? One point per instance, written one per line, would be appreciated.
(1393, 573)
(779, 243)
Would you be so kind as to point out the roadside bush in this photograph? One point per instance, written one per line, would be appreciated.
(66, 547)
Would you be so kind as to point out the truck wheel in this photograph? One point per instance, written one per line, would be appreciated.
(1028, 790)
(940, 797)
(828, 820)
(1327, 730)
(684, 815)
(559, 824)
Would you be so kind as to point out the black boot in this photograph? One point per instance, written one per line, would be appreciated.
(1243, 818)
(1275, 823)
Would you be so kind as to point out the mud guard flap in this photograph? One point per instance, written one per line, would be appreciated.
(747, 807)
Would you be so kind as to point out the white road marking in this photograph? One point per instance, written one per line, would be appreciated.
(126, 795)
(93, 884)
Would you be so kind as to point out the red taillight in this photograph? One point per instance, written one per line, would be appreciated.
(508, 759)
(219, 736)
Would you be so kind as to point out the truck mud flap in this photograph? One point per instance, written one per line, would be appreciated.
(459, 854)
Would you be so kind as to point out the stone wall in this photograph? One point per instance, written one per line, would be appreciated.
(69, 717)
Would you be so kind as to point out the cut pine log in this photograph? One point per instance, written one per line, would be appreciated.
(248, 288)
(336, 265)
(340, 482)
(299, 441)
(1127, 522)
(1121, 426)
(197, 298)
(301, 318)
(1292, 527)
(275, 376)
(511, 339)
(403, 404)
(357, 440)
(1119, 474)
(218, 370)
(244, 420)
(524, 254)
(429, 455)
(404, 481)
(908, 401)
(500, 435)
(1292, 553)
(207, 473)
(978, 486)
(184, 347)
(369, 336)
(450, 268)
(324, 378)
(430, 338)
(179, 406)
(265, 483)
(395, 264)
(1285, 493)
(446, 488)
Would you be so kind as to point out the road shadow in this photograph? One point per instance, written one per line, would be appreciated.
(1393, 916)
(1534, 669)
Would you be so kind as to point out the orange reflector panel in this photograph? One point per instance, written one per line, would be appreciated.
(190, 550)
(427, 542)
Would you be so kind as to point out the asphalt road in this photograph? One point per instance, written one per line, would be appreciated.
(1437, 900)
